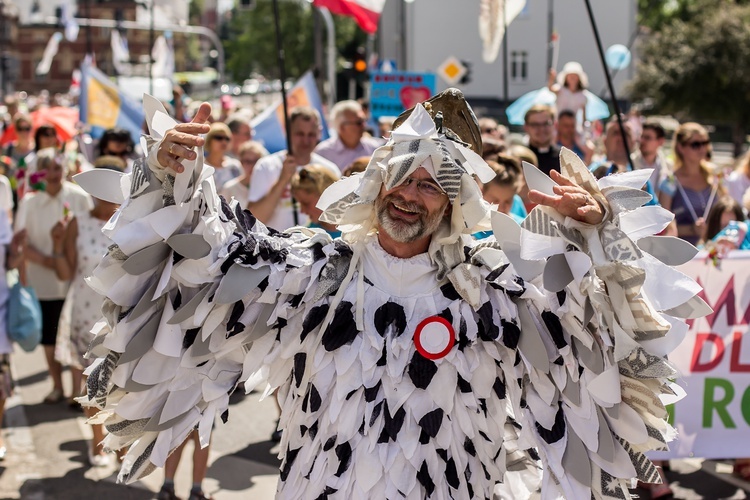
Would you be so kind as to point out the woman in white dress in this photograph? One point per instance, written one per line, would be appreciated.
(80, 245)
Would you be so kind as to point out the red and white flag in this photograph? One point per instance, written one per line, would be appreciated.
(365, 12)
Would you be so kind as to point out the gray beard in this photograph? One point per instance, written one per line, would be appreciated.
(402, 231)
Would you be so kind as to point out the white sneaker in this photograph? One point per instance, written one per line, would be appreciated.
(100, 460)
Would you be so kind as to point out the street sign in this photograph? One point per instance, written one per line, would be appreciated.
(396, 91)
(452, 70)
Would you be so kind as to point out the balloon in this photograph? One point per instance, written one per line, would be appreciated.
(618, 57)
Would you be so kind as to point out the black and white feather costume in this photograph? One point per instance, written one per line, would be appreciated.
(557, 356)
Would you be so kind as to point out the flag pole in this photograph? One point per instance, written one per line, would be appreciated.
(505, 56)
(282, 77)
(608, 77)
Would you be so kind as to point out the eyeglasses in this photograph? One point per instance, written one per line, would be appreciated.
(696, 145)
(23, 129)
(488, 130)
(222, 138)
(48, 133)
(648, 138)
(358, 123)
(548, 123)
(425, 187)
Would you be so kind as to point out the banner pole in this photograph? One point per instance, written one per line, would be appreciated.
(282, 76)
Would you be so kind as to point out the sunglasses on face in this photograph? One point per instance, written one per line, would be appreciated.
(23, 129)
(222, 138)
(425, 187)
(695, 145)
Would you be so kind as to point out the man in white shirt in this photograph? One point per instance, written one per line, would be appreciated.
(270, 197)
(649, 154)
(350, 142)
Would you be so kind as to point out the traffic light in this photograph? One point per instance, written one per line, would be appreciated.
(359, 64)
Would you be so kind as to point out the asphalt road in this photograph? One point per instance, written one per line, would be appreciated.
(47, 453)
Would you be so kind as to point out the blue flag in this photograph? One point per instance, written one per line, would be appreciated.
(268, 127)
(103, 105)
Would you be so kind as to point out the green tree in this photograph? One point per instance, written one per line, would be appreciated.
(251, 39)
(699, 66)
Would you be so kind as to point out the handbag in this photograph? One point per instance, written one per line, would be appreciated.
(24, 315)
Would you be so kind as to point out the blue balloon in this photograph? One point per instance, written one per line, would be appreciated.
(618, 57)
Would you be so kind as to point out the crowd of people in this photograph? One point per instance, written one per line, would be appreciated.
(56, 238)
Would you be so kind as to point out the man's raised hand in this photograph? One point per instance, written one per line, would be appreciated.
(570, 200)
(178, 142)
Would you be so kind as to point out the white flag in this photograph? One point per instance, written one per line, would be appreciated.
(492, 23)
(70, 23)
(50, 51)
(163, 56)
(120, 53)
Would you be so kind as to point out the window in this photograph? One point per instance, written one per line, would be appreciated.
(519, 66)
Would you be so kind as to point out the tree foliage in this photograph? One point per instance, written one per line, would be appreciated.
(250, 43)
(699, 64)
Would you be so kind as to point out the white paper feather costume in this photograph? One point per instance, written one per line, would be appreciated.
(562, 355)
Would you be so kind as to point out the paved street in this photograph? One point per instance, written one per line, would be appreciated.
(47, 454)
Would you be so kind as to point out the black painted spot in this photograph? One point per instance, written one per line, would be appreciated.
(177, 301)
(511, 334)
(499, 388)
(296, 300)
(315, 399)
(390, 314)
(372, 392)
(431, 422)
(326, 493)
(423, 476)
(291, 455)
(561, 295)
(557, 431)
(467, 475)
(487, 329)
(263, 284)
(384, 356)
(421, 370)
(300, 360)
(330, 443)
(555, 328)
(245, 219)
(469, 447)
(449, 291)
(313, 319)
(447, 315)
(344, 454)
(189, 337)
(495, 273)
(233, 324)
(463, 385)
(376, 412)
(225, 416)
(451, 473)
(342, 330)
(392, 423)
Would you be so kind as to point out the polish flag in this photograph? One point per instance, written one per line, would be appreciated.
(365, 12)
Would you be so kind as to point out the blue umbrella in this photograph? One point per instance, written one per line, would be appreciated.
(596, 109)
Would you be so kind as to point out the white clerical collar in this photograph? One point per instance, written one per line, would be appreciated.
(398, 277)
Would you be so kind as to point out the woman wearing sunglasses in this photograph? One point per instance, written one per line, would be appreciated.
(692, 190)
(218, 140)
(24, 143)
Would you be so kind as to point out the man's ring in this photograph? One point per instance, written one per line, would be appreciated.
(170, 149)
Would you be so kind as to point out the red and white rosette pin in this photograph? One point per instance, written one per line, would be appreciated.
(434, 337)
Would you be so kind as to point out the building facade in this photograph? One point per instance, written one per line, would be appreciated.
(421, 34)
